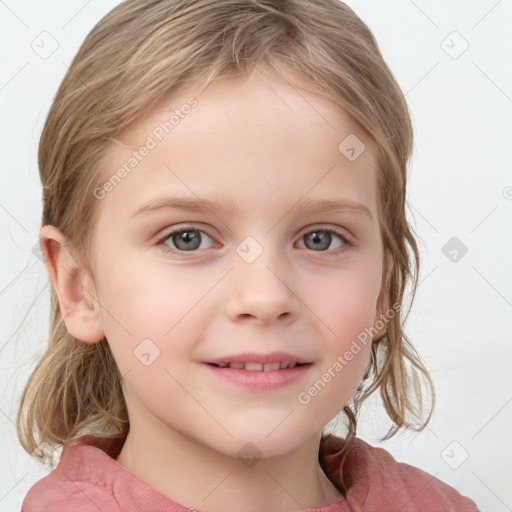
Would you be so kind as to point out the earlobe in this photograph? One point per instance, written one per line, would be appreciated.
(380, 324)
(73, 285)
(382, 306)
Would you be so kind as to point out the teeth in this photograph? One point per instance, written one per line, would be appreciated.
(254, 366)
(267, 367)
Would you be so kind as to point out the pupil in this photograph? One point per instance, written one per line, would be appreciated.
(185, 238)
(321, 241)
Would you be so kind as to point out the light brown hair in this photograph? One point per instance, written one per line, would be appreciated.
(137, 55)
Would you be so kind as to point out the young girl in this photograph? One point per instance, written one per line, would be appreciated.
(272, 138)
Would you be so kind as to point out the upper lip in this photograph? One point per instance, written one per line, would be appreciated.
(252, 357)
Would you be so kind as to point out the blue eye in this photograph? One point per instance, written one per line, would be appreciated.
(321, 238)
(184, 239)
(189, 239)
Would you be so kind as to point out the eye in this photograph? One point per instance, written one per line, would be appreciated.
(189, 239)
(321, 238)
(184, 239)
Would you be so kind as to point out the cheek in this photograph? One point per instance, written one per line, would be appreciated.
(150, 302)
(345, 302)
(345, 305)
(350, 317)
(348, 314)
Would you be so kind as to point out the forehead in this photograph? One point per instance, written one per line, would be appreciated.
(259, 139)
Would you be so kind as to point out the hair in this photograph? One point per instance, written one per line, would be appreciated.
(135, 57)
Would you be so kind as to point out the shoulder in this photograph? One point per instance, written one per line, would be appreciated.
(374, 478)
(54, 494)
(88, 478)
(81, 482)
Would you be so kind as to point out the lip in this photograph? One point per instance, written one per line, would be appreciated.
(260, 381)
(253, 357)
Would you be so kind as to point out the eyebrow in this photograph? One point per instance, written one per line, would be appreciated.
(335, 205)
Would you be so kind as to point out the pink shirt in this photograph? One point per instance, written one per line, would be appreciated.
(89, 479)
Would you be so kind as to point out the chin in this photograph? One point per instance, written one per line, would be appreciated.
(256, 441)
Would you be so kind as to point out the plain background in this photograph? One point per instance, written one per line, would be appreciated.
(452, 60)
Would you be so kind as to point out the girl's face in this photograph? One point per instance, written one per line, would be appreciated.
(257, 273)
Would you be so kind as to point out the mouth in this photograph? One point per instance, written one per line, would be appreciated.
(261, 373)
(258, 367)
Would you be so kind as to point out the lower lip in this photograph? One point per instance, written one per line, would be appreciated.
(259, 380)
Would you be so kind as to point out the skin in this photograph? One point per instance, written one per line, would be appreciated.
(262, 144)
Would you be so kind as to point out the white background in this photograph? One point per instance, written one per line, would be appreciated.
(460, 186)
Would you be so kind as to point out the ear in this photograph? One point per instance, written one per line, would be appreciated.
(382, 308)
(74, 287)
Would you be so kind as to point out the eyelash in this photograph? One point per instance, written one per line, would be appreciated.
(166, 249)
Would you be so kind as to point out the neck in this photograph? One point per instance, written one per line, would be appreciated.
(196, 476)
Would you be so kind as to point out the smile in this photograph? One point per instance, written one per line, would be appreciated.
(259, 377)
(259, 367)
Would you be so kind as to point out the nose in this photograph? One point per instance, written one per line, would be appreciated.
(262, 293)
